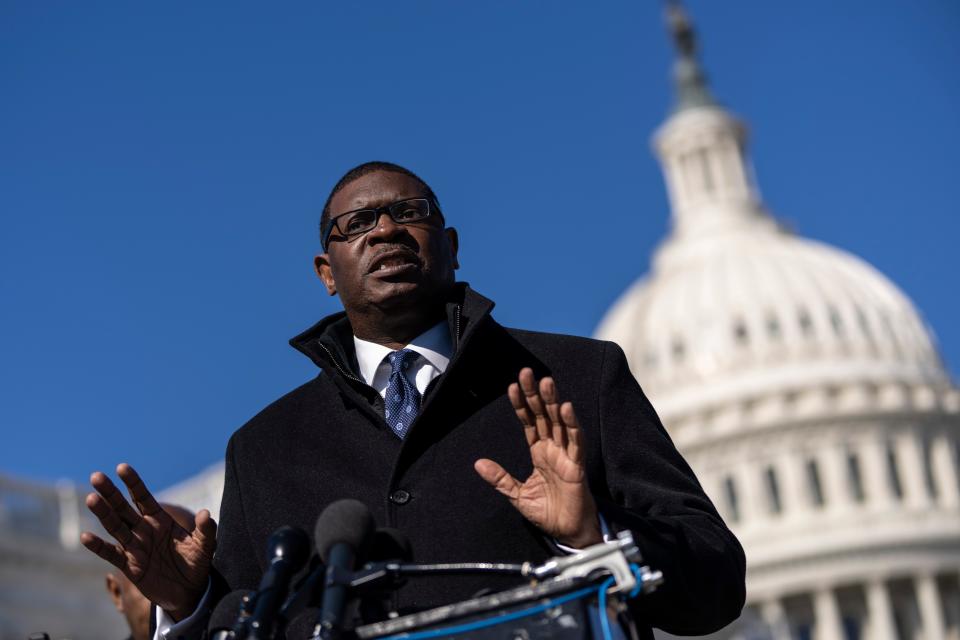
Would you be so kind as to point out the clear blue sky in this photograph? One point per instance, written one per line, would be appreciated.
(163, 167)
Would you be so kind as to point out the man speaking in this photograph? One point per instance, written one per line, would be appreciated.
(479, 442)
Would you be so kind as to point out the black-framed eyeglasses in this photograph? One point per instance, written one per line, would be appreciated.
(360, 221)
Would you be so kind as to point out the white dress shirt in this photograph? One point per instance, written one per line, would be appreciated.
(434, 346)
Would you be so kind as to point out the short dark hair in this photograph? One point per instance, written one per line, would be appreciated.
(365, 169)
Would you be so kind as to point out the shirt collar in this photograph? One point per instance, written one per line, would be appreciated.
(434, 344)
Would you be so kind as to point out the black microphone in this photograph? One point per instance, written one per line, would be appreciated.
(302, 605)
(287, 551)
(304, 595)
(343, 533)
(229, 616)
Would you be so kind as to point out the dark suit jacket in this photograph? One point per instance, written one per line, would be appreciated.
(328, 440)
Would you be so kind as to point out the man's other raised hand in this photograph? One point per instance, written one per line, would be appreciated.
(556, 496)
(167, 563)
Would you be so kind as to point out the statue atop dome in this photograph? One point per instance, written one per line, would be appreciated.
(681, 28)
(688, 75)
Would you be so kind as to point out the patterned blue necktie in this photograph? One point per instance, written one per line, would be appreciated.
(402, 398)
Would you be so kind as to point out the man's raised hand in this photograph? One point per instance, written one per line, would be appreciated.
(167, 563)
(555, 497)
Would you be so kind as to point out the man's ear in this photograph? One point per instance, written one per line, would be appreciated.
(321, 264)
(454, 241)
(116, 591)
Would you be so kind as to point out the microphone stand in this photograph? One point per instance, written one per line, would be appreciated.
(613, 558)
(381, 574)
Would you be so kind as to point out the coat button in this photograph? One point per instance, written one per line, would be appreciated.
(400, 497)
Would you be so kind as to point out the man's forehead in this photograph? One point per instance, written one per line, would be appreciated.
(375, 190)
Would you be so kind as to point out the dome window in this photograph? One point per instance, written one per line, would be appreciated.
(929, 479)
(732, 500)
(837, 322)
(806, 323)
(678, 349)
(855, 477)
(814, 484)
(773, 327)
(774, 504)
(740, 333)
(893, 473)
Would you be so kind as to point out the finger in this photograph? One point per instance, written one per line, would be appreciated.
(108, 552)
(574, 433)
(498, 478)
(109, 518)
(548, 391)
(142, 497)
(528, 385)
(205, 531)
(523, 412)
(105, 487)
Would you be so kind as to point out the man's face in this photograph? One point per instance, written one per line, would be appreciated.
(131, 604)
(392, 265)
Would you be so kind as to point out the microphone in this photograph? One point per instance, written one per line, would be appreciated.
(304, 596)
(287, 551)
(387, 547)
(301, 609)
(344, 531)
(229, 617)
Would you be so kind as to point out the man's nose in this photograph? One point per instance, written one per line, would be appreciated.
(385, 228)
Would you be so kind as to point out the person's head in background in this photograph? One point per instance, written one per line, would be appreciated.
(127, 598)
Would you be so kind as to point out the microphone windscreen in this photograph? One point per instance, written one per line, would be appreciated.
(227, 611)
(345, 521)
(390, 544)
(289, 543)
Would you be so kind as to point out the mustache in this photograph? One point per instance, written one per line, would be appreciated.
(393, 251)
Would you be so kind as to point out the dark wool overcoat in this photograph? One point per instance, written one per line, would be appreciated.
(328, 440)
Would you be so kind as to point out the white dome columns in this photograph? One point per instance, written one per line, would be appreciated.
(914, 470)
(838, 489)
(881, 624)
(945, 467)
(798, 477)
(829, 625)
(775, 617)
(931, 609)
(877, 467)
(709, 179)
(872, 609)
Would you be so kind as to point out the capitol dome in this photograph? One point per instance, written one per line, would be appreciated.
(805, 391)
(748, 309)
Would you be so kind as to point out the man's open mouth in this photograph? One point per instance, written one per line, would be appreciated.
(395, 262)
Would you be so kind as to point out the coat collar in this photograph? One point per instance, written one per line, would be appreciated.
(330, 341)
